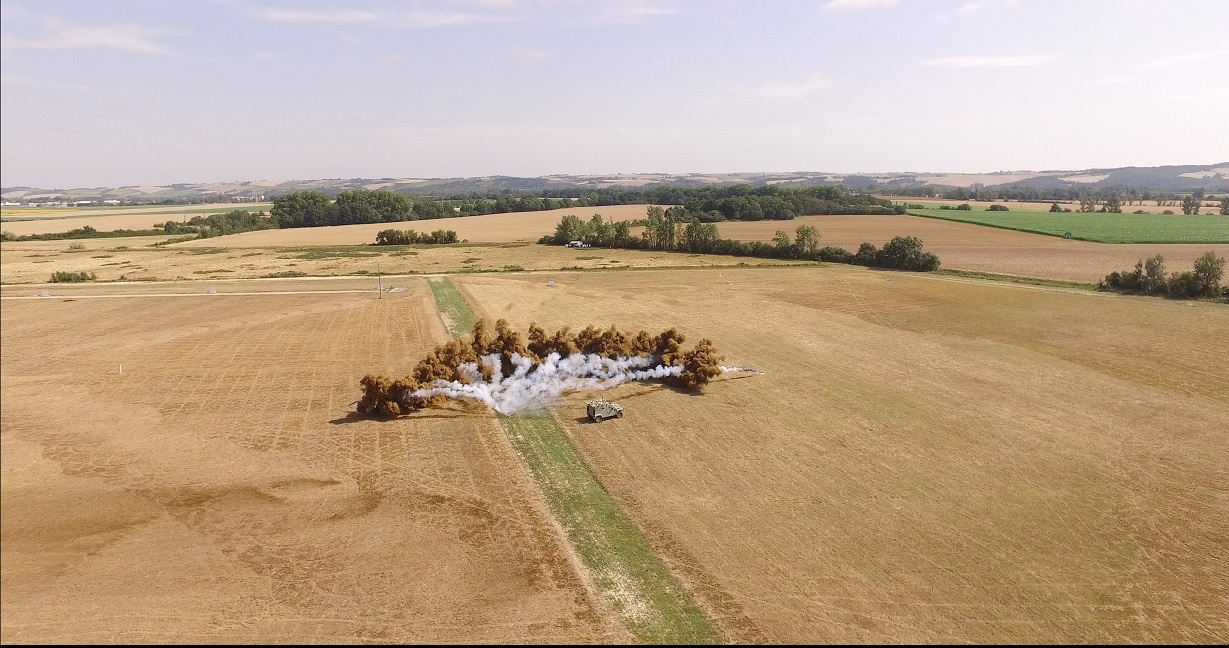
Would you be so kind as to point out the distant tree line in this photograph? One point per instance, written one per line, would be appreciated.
(86, 232)
(1150, 278)
(741, 202)
(663, 233)
(1128, 195)
(505, 203)
(232, 222)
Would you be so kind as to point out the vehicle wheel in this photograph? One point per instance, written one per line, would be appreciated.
(619, 415)
(597, 419)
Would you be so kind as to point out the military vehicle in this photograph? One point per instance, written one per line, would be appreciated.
(600, 410)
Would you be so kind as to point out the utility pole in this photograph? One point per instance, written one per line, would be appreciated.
(379, 281)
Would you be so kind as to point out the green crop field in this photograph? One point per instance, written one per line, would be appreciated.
(1102, 228)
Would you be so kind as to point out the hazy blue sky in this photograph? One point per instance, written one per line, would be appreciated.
(126, 92)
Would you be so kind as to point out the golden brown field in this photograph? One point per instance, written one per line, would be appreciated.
(965, 246)
(136, 218)
(489, 228)
(310, 251)
(925, 459)
(29, 262)
(190, 469)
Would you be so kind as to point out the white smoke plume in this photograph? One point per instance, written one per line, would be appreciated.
(535, 385)
(741, 369)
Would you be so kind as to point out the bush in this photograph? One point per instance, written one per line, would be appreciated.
(1149, 277)
(1209, 270)
(1168, 211)
(964, 207)
(997, 208)
(867, 255)
(905, 253)
(834, 255)
(410, 237)
(1055, 207)
(62, 276)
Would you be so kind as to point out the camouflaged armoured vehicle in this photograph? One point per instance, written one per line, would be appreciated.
(600, 410)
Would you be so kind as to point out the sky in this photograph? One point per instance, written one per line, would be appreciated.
(146, 92)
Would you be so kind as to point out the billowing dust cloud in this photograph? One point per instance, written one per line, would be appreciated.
(510, 374)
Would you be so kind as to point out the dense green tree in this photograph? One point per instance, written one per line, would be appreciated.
(806, 241)
(1209, 270)
(371, 206)
(1224, 206)
(1191, 205)
(570, 228)
(699, 237)
(303, 209)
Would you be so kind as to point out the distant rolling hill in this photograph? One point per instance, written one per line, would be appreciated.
(1210, 178)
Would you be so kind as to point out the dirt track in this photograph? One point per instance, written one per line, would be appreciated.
(191, 470)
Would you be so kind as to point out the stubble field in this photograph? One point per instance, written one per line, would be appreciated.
(190, 469)
(965, 246)
(924, 459)
(341, 250)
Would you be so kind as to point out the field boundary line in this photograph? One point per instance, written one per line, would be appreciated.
(621, 563)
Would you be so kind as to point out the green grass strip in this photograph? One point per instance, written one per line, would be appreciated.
(1097, 227)
(624, 567)
(452, 304)
(1032, 281)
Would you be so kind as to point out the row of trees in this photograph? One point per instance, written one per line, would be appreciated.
(393, 398)
(507, 203)
(738, 202)
(315, 209)
(1150, 278)
(410, 237)
(663, 233)
(86, 232)
(231, 222)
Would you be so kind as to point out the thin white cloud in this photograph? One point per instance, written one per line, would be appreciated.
(318, 16)
(989, 61)
(836, 5)
(977, 5)
(528, 53)
(1117, 80)
(128, 38)
(449, 13)
(1179, 59)
(773, 90)
(10, 79)
(343, 16)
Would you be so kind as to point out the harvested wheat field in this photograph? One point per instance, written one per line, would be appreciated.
(925, 459)
(488, 228)
(133, 218)
(33, 262)
(964, 246)
(190, 469)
